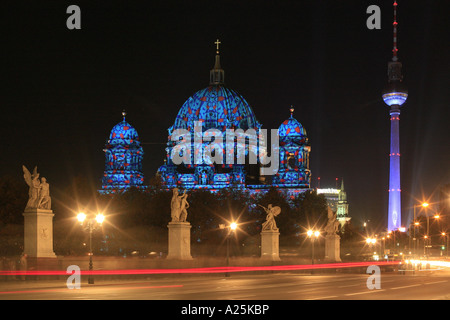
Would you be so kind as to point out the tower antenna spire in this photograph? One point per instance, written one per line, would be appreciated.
(395, 23)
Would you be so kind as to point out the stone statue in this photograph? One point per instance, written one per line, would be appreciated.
(184, 207)
(45, 201)
(332, 225)
(39, 190)
(272, 212)
(179, 206)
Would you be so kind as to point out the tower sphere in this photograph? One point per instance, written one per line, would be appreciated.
(395, 93)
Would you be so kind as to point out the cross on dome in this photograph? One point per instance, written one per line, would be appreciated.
(217, 43)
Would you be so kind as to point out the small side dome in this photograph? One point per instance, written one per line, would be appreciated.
(291, 127)
(123, 133)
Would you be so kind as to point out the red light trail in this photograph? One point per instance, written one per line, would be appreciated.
(201, 270)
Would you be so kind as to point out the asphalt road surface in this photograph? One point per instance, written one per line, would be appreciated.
(242, 286)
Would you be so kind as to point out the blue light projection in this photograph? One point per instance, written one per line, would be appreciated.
(294, 155)
(215, 107)
(123, 159)
(218, 110)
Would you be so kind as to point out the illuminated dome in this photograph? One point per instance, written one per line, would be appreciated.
(202, 162)
(123, 159)
(294, 151)
(123, 133)
(216, 107)
(291, 128)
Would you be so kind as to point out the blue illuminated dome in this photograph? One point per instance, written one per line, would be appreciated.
(216, 107)
(123, 133)
(291, 128)
(123, 159)
(294, 155)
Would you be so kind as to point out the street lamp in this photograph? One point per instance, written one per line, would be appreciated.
(416, 223)
(428, 237)
(445, 235)
(231, 228)
(90, 224)
(312, 234)
(425, 240)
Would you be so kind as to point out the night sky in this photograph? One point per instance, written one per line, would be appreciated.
(63, 90)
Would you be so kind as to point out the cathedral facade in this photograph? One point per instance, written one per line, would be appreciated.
(123, 159)
(203, 149)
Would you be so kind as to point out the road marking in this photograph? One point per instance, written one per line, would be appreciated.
(242, 297)
(323, 298)
(435, 282)
(365, 292)
(351, 285)
(413, 285)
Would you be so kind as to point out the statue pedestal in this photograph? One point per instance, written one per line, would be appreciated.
(333, 248)
(179, 241)
(270, 245)
(38, 233)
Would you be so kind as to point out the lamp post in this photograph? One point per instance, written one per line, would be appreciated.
(425, 251)
(416, 223)
(312, 234)
(231, 229)
(428, 237)
(90, 224)
(445, 235)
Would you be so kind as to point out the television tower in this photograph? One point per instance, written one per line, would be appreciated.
(394, 95)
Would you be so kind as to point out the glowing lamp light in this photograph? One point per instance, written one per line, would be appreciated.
(81, 217)
(425, 204)
(100, 218)
(233, 226)
(402, 229)
(310, 233)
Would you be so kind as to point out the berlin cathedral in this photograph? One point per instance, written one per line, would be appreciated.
(220, 110)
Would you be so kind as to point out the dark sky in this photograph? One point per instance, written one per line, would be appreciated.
(63, 90)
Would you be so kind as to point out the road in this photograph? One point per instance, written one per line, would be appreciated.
(241, 286)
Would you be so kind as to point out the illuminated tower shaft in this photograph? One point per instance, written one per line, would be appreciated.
(394, 211)
(394, 95)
